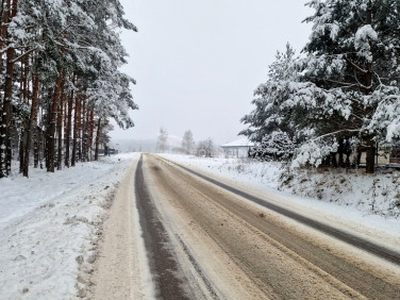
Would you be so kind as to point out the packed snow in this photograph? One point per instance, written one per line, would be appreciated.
(50, 225)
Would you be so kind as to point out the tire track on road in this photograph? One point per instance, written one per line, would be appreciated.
(378, 250)
(358, 279)
(163, 264)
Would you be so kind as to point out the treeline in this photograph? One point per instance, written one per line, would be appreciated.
(60, 81)
(188, 146)
(340, 96)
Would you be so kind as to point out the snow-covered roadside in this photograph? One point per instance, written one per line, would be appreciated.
(346, 212)
(50, 225)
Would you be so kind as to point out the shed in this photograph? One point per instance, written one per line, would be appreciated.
(238, 148)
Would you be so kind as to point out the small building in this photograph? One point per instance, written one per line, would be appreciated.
(238, 148)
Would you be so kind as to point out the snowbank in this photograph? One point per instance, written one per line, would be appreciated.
(376, 194)
(50, 225)
(370, 194)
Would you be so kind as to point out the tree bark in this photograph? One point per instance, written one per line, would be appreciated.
(7, 115)
(52, 127)
(83, 132)
(96, 154)
(370, 160)
(31, 125)
(21, 147)
(370, 157)
(60, 121)
(91, 133)
(23, 91)
(7, 111)
(76, 130)
(69, 126)
(5, 5)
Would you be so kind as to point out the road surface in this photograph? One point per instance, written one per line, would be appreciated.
(207, 240)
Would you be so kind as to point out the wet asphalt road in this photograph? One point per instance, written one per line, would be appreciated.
(165, 265)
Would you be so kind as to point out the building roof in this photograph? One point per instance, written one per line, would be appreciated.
(243, 142)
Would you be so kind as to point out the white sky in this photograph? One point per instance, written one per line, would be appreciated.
(197, 63)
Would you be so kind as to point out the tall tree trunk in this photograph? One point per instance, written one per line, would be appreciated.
(36, 147)
(3, 32)
(31, 125)
(23, 91)
(21, 147)
(68, 130)
(26, 80)
(87, 135)
(59, 135)
(76, 130)
(79, 132)
(7, 115)
(7, 110)
(370, 156)
(4, 15)
(370, 159)
(96, 153)
(60, 121)
(83, 132)
(52, 127)
(91, 133)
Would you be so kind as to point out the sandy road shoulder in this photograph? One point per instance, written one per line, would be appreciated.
(121, 271)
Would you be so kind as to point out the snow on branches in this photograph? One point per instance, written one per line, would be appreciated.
(345, 86)
(362, 41)
(61, 79)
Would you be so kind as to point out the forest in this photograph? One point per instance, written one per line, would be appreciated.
(340, 95)
(60, 82)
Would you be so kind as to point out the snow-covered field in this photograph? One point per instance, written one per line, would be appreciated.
(50, 225)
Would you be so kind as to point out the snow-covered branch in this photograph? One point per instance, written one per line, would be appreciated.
(335, 133)
(356, 67)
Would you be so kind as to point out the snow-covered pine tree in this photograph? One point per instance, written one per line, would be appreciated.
(351, 75)
(344, 91)
(57, 52)
(9, 10)
(273, 125)
(276, 146)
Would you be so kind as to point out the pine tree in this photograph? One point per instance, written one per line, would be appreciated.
(352, 65)
(345, 89)
(60, 73)
(273, 125)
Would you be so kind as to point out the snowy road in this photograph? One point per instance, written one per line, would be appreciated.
(205, 242)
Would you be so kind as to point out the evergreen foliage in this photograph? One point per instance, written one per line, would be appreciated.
(344, 88)
(61, 82)
(272, 124)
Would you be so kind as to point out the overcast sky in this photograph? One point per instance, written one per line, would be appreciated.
(197, 63)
